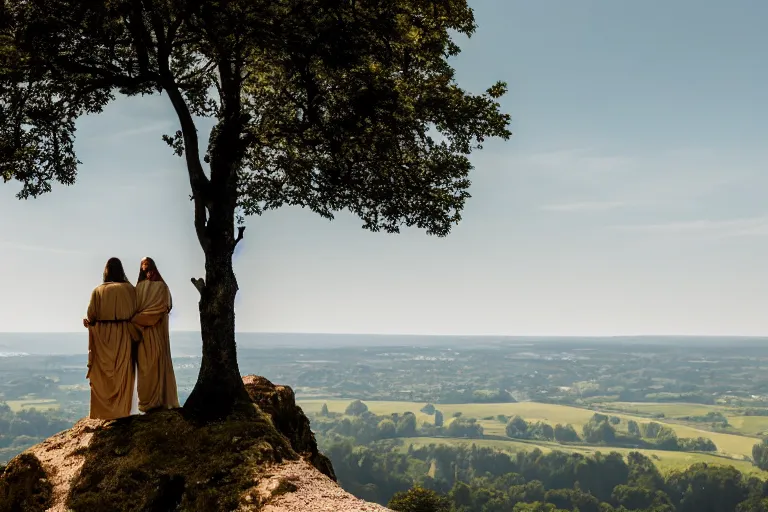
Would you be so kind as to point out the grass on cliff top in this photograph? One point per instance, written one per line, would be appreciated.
(161, 461)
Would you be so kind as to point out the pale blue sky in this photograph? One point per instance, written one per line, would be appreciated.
(631, 199)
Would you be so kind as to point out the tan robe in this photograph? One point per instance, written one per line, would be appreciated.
(110, 365)
(156, 379)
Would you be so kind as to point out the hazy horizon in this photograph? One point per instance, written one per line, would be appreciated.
(186, 344)
(442, 335)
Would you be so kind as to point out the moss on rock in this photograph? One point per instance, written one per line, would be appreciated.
(161, 462)
(24, 486)
(165, 461)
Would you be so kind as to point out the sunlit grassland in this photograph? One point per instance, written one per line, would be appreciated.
(669, 410)
(749, 425)
(666, 461)
(729, 445)
(26, 404)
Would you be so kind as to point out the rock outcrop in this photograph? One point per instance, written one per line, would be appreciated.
(161, 461)
(280, 403)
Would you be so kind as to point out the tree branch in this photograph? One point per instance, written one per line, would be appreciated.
(199, 284)
(110, 78)
(240, 230)
(141, 39)
(197, 178)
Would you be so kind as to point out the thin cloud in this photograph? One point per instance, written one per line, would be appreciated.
(580, 161)
(668, 179)
(586, 206)
(40, 248)
(750, 226)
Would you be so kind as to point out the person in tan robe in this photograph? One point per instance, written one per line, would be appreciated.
(110, 338)
(156, 379)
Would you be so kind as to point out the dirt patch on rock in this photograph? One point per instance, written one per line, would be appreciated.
(311, 491)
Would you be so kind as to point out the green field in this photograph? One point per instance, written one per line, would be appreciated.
(666, 461)
(669, 410)
(729, 445)
(32, 403)
(747, 425)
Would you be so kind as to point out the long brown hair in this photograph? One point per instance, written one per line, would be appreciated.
(113, 271)
(151, 273)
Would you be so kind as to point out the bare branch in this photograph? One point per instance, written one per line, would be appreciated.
(240, 230)
(199, 284)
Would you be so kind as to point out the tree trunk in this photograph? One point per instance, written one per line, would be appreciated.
(219, 391)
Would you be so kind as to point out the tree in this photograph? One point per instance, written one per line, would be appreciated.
(566, 434)
(419, 499)
(406, 425)
(643, 472)
(540, 430)
(639, 498)
(697, 444)
(536, 506)
(461, 495)
(428, 409)
(633, 428)
(329, 105)
(356, 408)
(760, 455)
(599, 430)
(666, 439)
(707, 488)
(465, 427)
(650, 430)
(572, 499)
(517, 427)
(386, 429)
(438, 418)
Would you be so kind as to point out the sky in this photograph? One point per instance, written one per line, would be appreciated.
(630, 200)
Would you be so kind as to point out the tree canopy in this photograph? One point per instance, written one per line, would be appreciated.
(331, 105)
(325, 104)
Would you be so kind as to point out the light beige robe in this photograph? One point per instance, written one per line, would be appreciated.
(156, 379)
(110, 365)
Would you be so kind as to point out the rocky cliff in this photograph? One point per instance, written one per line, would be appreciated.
(163, 462)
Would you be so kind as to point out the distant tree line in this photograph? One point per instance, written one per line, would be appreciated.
(715, 418)
(755, 411)
(601, 430)
(22, 429)
(359, 423)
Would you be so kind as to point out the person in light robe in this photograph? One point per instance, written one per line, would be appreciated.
(111, 335)
(156, 379)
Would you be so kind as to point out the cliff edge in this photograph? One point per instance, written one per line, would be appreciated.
(162, 462)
